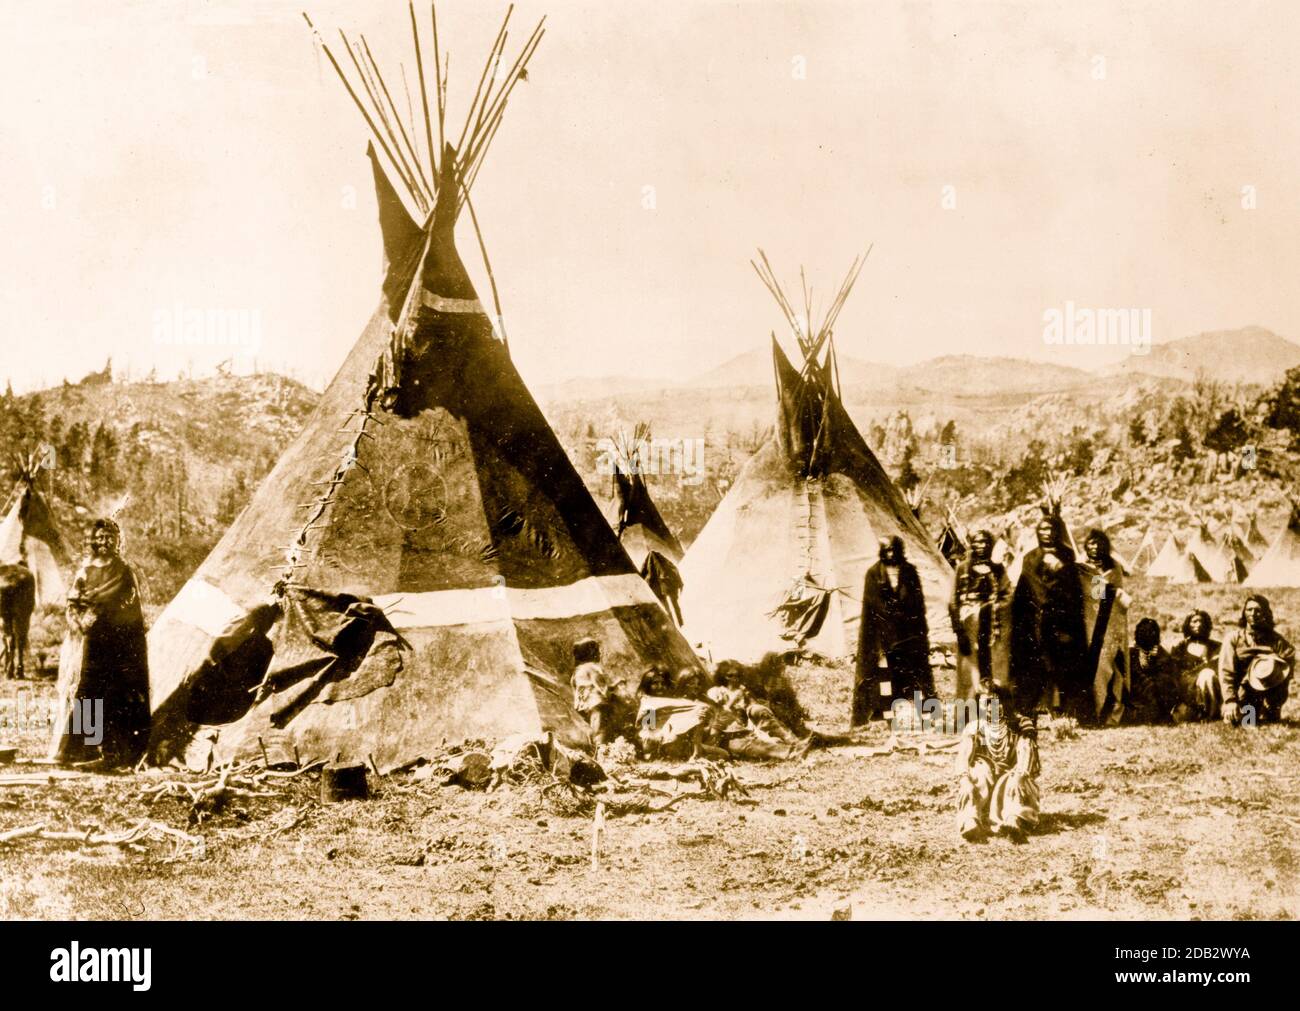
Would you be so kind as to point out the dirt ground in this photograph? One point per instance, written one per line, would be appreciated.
(1139, 822)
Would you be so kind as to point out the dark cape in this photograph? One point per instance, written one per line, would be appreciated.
(104, 659)
(1049, 643)
(894, 627)
(665, 582)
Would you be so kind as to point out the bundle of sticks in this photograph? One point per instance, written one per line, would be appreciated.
(209, 794)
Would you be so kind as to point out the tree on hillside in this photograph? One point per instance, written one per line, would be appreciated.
(103, 455)
(1229, 433)
(1282, 406)
(908, 478)
(1024, 482)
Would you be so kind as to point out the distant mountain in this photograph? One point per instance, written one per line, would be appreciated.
(754, 368)
(588, 388)
(1249, 355)
(968, 374)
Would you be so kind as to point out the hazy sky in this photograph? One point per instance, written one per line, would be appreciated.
(201, 155)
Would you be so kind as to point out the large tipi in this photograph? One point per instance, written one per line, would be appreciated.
(29, 536)
(1280, 564)
(420, 562)
(781, 562)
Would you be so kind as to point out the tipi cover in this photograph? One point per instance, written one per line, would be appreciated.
(782, 560)
(28, 536)
(1256, 540)
(1146, 552)
(1280, 565)
(419, 563)
(650, 544)
(1188, 569)
(1216, 563)
(1168, 562)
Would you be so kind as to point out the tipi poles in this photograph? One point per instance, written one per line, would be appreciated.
(379, 137)
(424, 91)
(402, 167)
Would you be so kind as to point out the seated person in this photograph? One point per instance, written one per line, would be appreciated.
(1154, 687)
(753, 730)
(671, 727)
(1196, 660)
(593, 692)
(1254, 667)
(997, 767)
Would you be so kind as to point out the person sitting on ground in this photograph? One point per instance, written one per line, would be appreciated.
(593, 691)
(1196, 659)
(997, 766)
(751, 729)
(1254, 667)
(730, 693)
(672, 727)
(1154, 687)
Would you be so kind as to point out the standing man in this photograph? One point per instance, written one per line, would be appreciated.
(1108, 639)
(104, 668)
(1254, 667)
(1049, 647)
(894, 639)
(979, 610)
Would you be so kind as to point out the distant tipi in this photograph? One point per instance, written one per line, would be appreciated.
(28, 535)
(1280, 564)
(781, 562)
(418, 565)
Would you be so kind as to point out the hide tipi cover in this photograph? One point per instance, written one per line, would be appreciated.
(419, 563)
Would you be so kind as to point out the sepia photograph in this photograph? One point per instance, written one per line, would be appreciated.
(673, 460)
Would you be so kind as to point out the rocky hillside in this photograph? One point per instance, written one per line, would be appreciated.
(176, 461)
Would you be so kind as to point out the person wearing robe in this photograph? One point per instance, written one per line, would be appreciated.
(665, 582)
(997, 769)
(671, 724)
(594, 694)
(1255, 667)
(894, 639)
(1049, 648)
(980, 613)
(104, 662)
(1108, 637)
(1155, 687)
(1196, 659)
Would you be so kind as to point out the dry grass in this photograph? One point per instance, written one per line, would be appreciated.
(1139, 822)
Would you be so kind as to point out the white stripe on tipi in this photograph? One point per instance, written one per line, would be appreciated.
(208, 608)
(505, 603)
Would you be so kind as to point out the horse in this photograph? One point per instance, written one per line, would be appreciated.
(17, 602)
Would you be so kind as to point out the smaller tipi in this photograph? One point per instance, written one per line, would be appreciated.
(1207, 552)
(1280, 565)
(641, 528)
(1168, 559)
(1188, 569)
(1146, 552)
(28, 536)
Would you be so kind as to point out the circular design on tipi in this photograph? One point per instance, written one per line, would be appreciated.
(416, 496)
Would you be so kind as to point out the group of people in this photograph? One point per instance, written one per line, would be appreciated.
(1054, 642)
(681, 715)
(1049, 648)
